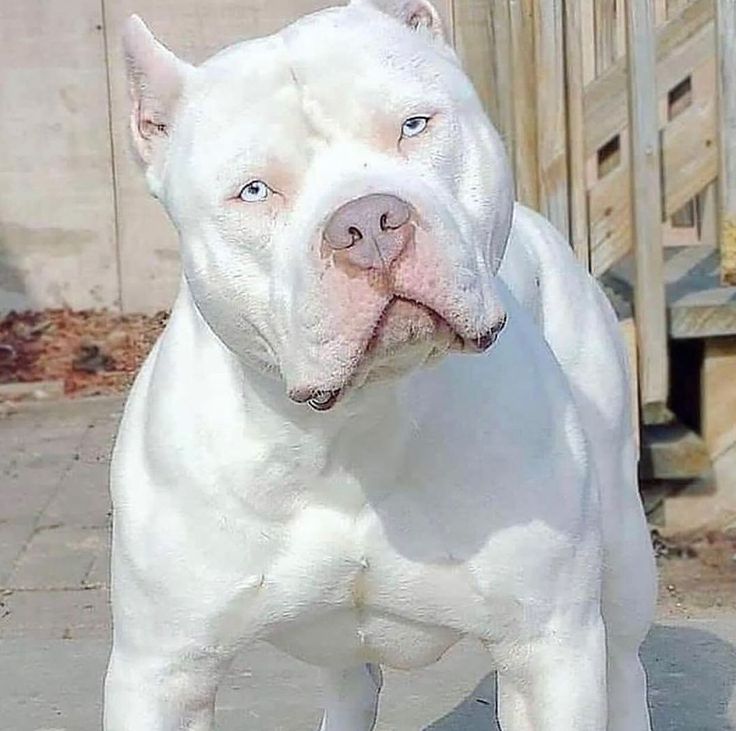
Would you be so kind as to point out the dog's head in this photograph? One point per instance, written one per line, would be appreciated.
(342, 201)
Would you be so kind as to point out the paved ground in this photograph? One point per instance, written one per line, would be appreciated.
(54, 624)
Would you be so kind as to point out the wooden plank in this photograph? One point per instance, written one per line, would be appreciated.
(579, 233)
(689, 149)
(627, 328)
(682, 44)
(660, 11)
(718, 395)
(708, 216)
(675, 7)
(620, 29)
(587, 24)
(609, 204)
(482, 39)
(551, 113)
(57, 234)
(672, 452)
(606, 50)
(606, 33)
(726, 52)
(503, 72)
(474, 36)
(698, 305)
(521, 16)
(697, 320)
(649, 296)
(689, 165)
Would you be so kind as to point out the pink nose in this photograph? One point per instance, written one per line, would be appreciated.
(370, 231)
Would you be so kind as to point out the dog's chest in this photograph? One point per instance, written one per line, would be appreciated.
(371, 587)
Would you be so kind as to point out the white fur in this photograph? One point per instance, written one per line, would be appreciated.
(491, 496)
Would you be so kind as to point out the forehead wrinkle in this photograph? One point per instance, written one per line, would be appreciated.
(317, 121)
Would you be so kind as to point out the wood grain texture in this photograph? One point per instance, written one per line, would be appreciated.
(698, 305)
(574, 62)
(683, 43)
(649, 296)
(606, 46)
(627, 328)
(551, 113)
(481, 38)
(609, 207)
(689, 167)
(521, 16)
(726, 23)
(689, 149)
(718, 395)
(672, 452)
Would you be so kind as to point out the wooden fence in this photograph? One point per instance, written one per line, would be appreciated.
(610, 112)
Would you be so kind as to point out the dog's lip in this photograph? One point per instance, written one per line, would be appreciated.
(319, 399)
(481, 343)
(325, 399)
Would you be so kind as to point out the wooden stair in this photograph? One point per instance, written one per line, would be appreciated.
(698, 307)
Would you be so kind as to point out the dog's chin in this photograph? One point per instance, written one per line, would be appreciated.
(408, 336)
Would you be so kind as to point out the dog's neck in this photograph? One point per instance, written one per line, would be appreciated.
(366, 415)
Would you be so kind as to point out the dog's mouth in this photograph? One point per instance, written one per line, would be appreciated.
(403, 323)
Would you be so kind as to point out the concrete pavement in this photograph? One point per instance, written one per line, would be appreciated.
(54, 621)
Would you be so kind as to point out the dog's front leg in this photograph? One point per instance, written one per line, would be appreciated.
(152, 692)
(351, 698)
(556, 683)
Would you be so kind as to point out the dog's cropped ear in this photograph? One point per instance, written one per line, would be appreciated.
(416, 14)
(155, 81)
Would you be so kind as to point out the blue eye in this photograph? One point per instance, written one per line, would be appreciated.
(414, 126)
(254, 192)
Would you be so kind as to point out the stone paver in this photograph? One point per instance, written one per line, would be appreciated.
(55, 627)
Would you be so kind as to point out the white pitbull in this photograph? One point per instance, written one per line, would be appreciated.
(316, 453)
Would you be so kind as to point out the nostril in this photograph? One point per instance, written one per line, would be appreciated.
(394, 216)
(355, 235)
(367, 219)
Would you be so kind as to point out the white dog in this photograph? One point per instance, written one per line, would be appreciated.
(316, 453)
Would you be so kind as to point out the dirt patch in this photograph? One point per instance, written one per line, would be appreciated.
(91, 352)
(697, 575)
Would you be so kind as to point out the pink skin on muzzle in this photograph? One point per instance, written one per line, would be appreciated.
(374, 262)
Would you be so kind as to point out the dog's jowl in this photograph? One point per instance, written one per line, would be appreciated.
(390, 411)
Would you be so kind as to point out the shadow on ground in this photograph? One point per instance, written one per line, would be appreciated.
(692, 676)
(692, 679)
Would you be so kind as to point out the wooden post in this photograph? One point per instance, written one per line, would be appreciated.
(649, 293)
(473, 33)
(627, 328)
(726, 50)
(524, 91)
(549, 43)
(579, 233)
(483, 41)
(606, 50)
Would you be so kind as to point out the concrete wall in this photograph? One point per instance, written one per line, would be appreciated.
(77, 227)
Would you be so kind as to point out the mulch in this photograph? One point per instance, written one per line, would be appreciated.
(87, 352)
